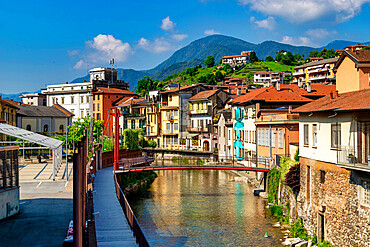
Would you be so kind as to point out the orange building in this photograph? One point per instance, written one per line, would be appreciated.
(103, 100)
(352, 71)
(275, 132)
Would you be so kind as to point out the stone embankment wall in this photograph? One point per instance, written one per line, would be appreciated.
(330, 201)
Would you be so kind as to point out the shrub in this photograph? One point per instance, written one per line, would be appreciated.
(297, 230)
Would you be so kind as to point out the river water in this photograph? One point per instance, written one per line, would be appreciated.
(203, 208)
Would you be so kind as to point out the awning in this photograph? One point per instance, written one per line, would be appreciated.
(191, 136)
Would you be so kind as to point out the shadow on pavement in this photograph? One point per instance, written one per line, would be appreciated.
(40, 222)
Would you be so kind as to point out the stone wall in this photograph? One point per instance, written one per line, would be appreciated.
(335, 197)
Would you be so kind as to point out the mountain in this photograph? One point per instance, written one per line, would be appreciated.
(217, 46)
(16, 96)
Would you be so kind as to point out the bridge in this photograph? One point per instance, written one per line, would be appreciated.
(123, 169)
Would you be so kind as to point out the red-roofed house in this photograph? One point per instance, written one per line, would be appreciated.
(202, 109)
(253, 134)
(352, 71)
(334, 150)
(268, 78)
(243, 58)
(174, 109)
(103, 100)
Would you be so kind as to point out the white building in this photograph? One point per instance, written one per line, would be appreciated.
(233, 60)
(75, 97)
(268, 78)
(36, 99)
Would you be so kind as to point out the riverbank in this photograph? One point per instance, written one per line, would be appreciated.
(134, 182)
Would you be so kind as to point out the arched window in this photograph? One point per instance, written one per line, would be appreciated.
(46, 128)
(61, 128)
(28, 127)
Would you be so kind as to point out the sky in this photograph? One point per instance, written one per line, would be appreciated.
(52, 42)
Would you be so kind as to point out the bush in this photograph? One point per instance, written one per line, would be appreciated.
(276, 211)
(297, 230)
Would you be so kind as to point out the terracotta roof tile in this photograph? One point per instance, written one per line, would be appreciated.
(351, 101)
(106, 90)
(361, 55)
(204, 94)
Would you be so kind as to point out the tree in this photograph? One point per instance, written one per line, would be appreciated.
(253, 57)
(269, 59)
(228, 69)
(146, 84)
(219, 76)
(314, 53)
(210, 61)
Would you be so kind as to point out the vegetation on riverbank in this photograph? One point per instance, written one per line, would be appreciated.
(133, 182)
(284, 187)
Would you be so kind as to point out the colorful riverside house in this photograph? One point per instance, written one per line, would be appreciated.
(248, 107)
(174, 109)
(153, 117)
(132, 113)
(202, 109)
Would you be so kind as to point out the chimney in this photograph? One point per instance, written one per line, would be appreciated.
(238, 91)
(336, 94)
(331, 95)
(309, 87)
(299, 83)
(278, 86)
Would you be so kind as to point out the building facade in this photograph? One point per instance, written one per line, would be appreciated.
(233, 60)
(268, 78)
(36, 99)
(8, 115)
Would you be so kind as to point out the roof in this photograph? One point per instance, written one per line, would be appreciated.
(30, 136)
(360, 56)
(351, 101)
(8, 103)
(43, 111)
(288, 93)
(181, 88)
(324, 61)
(129, 101)
(246, 55)
(204, 94)
(106, 90)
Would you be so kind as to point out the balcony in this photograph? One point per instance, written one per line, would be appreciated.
(207, 111)
(348, 158)
(298, 73)
(279, 117)
(203, 129)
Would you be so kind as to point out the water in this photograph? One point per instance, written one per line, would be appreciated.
(203, 208)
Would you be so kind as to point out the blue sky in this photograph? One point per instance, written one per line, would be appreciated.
(50, 42)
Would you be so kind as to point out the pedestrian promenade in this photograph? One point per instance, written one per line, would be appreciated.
(111, 225)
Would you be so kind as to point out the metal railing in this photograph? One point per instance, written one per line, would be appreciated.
(348, 156)
(130, 216)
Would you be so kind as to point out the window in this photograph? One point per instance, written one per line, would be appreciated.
(132, 124)
(53, 101)
(170, 98)
(168, 126)
(305, 134)
(259, 136)
(62, 100)
(267, 138)
(28, 127)
(176, 113)
(61, 128)
(82, 99)
(176, 126)
(87, 99)
(46, 128)
(93, 107)
(322, 176)
(366, 189)
(273, 138)
(98, 106)
(190, 106)
(263, 137)
(314, 135)
(98, 116)
(82, 113)
(280, 140)
(335, 136)
(72, 100)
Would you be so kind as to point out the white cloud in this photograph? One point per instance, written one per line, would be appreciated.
(298, 11)
(72, 53)
(79, 64)
(167, 24)
(300, 41)
(269, 23)
(179, 37)
(320, 33)
(210, 32)
(159, 45)
(105, 47)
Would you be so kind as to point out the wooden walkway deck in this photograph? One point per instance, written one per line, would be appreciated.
(111, 226)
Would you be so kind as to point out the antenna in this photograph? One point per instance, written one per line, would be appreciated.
(111, 61)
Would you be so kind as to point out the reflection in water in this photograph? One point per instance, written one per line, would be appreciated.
(202, 208)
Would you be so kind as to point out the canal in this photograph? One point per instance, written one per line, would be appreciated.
(203, 208)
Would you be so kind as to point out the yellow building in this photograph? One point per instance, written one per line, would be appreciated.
(315, 72)
(8, 113)
(174, 116)
(153, 122)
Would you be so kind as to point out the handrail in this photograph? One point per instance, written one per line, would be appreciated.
(130, 216)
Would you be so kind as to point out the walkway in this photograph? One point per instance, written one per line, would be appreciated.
(111, 226)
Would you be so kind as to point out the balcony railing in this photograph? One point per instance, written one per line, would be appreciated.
(348, 157)
(203, 129)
